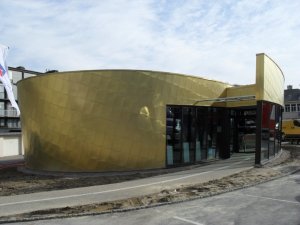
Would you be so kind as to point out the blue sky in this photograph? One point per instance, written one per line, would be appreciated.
(213, 39)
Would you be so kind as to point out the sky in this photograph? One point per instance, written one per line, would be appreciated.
(213, 39)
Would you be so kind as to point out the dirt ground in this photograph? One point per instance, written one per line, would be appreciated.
(13, 182)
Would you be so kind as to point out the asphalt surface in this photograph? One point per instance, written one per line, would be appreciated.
(275, 202)
(11, 205)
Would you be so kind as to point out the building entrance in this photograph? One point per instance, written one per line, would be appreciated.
(197, 134)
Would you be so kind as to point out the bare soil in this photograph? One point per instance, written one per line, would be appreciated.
(13, 182)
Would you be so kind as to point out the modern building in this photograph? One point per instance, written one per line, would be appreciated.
(292, 103)
(9, 121)
(120, 120)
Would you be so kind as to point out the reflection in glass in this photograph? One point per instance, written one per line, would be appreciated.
(197, 133)
(174, 132)
(202, 124)
(271, 130)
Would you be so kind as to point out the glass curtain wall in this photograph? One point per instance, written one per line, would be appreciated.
(197, 133)
(271, 116)
(192, 134)
(212, 133)
(246, 128)
(202, 133)
(189, 134)
(233, 129)
(174, 135)
(278, 128)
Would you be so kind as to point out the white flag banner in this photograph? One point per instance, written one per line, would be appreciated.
(5, 78)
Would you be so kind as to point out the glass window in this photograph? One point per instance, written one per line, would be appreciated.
(287, 108)
(15, 91)
(170, 135)
(174, 134)
(272, 124)
(298, 107)
(2, 105)
(2, 112)
(16, 76)
(270, 130)
(212, 133)
(2, 122)
(278, 116)
(192, 134)
(201, 142)
(10, 111)
(188, 134)
(266, 111)
(8, 106)
(247, 130)
(2, 91)
(13, 123)
(293, 107)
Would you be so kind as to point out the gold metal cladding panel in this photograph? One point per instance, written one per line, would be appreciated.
(269, 80)
(241, 91)
(108, 120)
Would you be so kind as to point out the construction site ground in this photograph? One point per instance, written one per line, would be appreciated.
(61, 195)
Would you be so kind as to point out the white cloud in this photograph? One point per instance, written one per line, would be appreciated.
(216, 39)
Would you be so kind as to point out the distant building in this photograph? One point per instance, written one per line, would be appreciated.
(292, 103)
(9, 121)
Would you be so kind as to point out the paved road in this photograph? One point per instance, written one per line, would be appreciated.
(12, 205)
(276, 202)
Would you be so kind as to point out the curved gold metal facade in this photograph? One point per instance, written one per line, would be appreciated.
(107, 120)
(269, 80)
